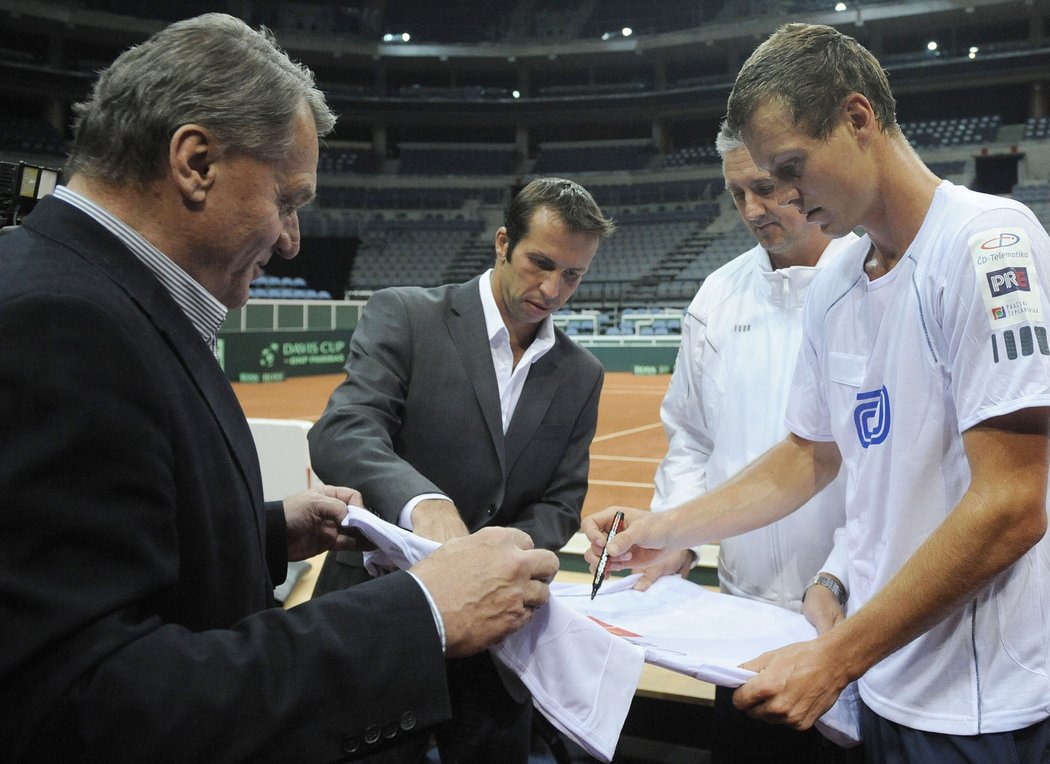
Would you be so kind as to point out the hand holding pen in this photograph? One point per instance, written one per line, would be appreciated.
(623, 538)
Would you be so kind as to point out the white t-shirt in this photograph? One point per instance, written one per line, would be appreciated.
(894, 371)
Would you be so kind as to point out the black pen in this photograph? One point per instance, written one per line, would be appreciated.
(599, 572)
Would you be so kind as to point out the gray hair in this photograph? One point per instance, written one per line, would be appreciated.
(213, 70)
(810, 70)
(571, 202)
(727, 141)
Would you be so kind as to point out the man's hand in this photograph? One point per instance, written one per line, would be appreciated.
(313, 519)
(822, 608)
(486, 586)
(639, 543)
(438, 519)
(795, 685)
(679, 564)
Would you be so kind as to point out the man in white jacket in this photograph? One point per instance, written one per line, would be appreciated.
(725, 407)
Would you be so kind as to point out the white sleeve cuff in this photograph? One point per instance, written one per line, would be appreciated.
(433, 609)
(405, 518)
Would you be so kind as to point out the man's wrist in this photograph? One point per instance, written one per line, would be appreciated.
(405, 517)
(831, 583)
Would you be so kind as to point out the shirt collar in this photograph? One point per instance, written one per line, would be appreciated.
(497, 330)
(203, 310)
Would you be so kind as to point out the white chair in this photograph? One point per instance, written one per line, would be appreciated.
(284, 459)
(284, 456)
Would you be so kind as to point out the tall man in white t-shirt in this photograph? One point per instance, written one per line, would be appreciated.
(725, 407)
(925, 376)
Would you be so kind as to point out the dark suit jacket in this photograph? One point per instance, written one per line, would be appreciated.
(136, 556)
(419, 413)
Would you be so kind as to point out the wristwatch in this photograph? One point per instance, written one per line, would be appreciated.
(829, 582)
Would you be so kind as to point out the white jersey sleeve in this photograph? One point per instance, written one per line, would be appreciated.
(992, 314)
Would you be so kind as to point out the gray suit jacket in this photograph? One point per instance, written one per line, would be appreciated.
(419, 413)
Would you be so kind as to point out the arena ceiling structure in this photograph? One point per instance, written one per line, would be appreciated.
(530, 71)
(446, 108)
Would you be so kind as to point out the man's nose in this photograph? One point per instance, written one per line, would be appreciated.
(754, 209)
(787, 194)
(551, 285)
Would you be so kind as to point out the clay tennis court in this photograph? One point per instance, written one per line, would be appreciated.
(627, 446)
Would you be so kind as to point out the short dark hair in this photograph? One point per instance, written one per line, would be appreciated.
(213, 70)
(810, 70)
(570, 201)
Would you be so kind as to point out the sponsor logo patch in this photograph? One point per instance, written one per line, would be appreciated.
(1008, 280)
(1020, 343)
(1002, 260)
(1003, 240)
(872, 416)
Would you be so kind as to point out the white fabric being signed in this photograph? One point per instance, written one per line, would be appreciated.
(581, 678)
(582, 659)
(704, 634)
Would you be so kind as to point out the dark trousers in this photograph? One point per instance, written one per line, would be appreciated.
(891, 743)
(488, 725)
(739, 739)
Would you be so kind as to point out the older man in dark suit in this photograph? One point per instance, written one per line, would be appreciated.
(463, 408)
(137, 557)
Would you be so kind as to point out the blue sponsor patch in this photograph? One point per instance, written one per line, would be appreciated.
(872, 416)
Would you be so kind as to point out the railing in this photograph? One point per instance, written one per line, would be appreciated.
(265, 315)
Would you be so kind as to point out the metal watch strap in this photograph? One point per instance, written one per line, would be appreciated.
(829, 582)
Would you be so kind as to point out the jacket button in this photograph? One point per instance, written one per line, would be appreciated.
(408, 721)
(351, 744)
(390, 730)
(492, 509)
(372, 734)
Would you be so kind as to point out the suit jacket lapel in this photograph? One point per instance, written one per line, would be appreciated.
(99, 247)
(541, 386)
(466, 325)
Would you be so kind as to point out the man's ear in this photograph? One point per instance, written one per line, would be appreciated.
(192, 154)
(860, 117)
(501, 244)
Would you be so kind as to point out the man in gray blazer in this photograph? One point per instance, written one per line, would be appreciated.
(465, 407)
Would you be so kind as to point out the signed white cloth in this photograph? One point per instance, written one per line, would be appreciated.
(703, 634)
(582, 659)
(581, 678)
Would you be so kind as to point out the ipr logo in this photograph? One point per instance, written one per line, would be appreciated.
(872, 417)
(1008, 280)
(1002, 241)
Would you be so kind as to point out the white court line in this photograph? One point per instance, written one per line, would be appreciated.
(621, 483)
(644, 459)
(621, 433)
